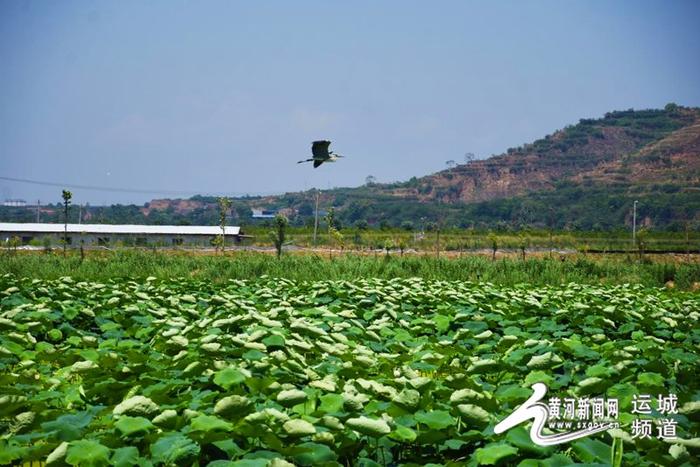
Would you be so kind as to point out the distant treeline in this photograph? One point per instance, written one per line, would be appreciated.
(569, 207)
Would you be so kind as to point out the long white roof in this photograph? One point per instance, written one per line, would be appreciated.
(119, 229)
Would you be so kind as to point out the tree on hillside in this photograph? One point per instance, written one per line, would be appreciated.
(362, 224)
(67, 196)
(244, 212)
(370, 180)
(306, 209)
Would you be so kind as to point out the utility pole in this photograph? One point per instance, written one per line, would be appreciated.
(316, 217)
(38, 210)
(80, 213)
(634, 223)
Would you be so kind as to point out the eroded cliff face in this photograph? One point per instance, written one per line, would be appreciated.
(601, 152)
(673, 160)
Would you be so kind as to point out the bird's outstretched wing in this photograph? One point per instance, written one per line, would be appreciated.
(317, 162)
(320, 149)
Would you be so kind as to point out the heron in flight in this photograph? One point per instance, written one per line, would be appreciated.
(321, 153)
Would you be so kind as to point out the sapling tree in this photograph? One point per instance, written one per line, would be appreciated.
(47, 244)
(388, 246)
(12, 244)
(338, 239)
(357, 239)
(522, 244)
(551, 230)
(437, 241)
(493, 241)
(401, 244)
(687, 239)
(224, 206)
(278, 235)
(642, 238)
(330, 221)
(67, 196)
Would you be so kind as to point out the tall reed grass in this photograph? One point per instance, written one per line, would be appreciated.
(250, 265)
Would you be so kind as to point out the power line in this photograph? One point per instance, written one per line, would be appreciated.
(121, 190)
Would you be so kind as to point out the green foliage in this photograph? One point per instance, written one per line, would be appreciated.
(12, 244)
(494, 452)
(217, 269)
(174, 449)
(407, 225)
(330, 219)
(338, 238)
(87, 453)
(129, 426)
(641, 239)
(362, 224)
(67, 196)
(403, 371)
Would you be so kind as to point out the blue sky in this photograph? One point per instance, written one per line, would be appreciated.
(224, 97)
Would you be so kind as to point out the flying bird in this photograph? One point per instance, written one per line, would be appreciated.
(321, 154)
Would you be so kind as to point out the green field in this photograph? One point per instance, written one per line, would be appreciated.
(542, 270)
(455, 239)
(449, 239)
(364, 372)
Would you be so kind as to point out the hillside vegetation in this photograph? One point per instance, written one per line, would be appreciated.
(276, 372)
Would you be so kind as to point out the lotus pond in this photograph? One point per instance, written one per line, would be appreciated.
(273, 372)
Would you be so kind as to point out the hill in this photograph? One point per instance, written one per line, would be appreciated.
(660, 145)
(584, 176)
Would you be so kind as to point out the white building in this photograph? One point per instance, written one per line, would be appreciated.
(15, 203)
(263, 213)
(128, 235)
